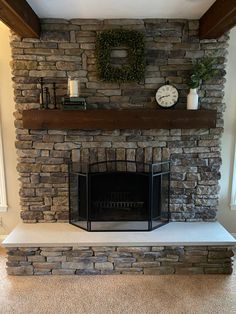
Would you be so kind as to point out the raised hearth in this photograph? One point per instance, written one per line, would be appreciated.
(176, 248)
(172, 234)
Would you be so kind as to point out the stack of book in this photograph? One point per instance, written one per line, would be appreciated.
(73, 103)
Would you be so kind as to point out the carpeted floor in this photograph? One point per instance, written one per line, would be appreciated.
(116, 294)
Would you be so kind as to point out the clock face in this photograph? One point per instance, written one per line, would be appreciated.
(166, 96)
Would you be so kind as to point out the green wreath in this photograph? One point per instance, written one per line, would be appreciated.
(134, 70)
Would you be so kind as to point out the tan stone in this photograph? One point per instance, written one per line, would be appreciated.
(46, 265)
(51, 168)
(77, 265)
(24, 65)
(67, 146)
(50, 253)
(104, 266)
(36, 258)
(189, 270)
(159, 271)
(133, 249)
(103, 248)
(67, 66)
(20, 271)
(56, 249)
(47, 73)
(23, 167)
(54, 259)
(63, 272)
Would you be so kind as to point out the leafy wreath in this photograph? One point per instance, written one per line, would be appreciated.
(134, 70)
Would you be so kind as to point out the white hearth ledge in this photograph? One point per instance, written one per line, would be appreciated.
(172, 234)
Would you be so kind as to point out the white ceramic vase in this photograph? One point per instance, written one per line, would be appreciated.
(192, 99)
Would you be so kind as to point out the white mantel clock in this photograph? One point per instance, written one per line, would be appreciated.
(167, 96)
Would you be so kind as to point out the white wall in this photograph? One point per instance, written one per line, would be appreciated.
(101, 9)
(11, 218)
(225, 215)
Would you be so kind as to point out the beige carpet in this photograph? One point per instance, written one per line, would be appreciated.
(116, 294)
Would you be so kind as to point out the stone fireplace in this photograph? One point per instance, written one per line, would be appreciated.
(67, 49)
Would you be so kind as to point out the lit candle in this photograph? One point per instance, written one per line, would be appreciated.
(74, 88)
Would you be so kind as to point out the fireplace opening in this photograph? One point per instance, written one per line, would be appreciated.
(119, 195)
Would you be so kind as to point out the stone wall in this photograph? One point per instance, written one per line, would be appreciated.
(66, 48)
(155, 260)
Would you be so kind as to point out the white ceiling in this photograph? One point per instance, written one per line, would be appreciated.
(68, 9)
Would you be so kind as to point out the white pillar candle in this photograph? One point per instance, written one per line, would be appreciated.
(74, 88)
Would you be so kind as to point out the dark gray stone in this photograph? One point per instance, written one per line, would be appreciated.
(55, 36)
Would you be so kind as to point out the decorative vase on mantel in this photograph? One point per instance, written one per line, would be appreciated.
(204, 69)
(192, 99)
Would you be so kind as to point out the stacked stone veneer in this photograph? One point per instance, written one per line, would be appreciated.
(67, 48)
(155, 260)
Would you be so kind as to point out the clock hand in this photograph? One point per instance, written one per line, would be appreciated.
(163, 97)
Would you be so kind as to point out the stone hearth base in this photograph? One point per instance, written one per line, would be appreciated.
(147, 260)
(63, 249)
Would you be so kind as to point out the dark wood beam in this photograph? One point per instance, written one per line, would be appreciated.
(111, 119)
(220, 18)
(19, 16)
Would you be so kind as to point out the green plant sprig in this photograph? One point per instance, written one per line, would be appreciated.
(203, 70)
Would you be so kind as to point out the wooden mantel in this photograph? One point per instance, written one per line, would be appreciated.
(110, 119)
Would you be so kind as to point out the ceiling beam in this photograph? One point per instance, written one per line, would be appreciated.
(19, 17)
(220, 18)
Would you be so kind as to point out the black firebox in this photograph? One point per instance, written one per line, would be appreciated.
(119, 195)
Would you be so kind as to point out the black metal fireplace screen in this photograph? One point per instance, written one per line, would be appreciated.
(119, 195)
